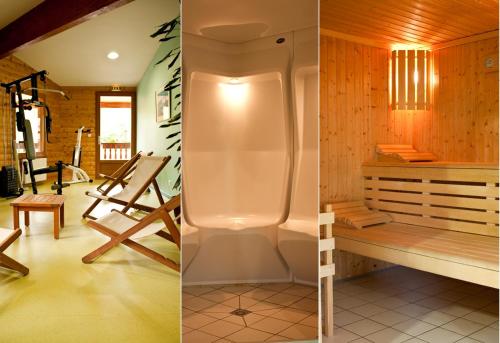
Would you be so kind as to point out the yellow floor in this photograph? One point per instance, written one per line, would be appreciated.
(122, 297)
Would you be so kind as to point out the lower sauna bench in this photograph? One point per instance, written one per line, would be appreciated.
(445, 219)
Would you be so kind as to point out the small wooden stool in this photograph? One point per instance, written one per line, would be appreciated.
(40, 203)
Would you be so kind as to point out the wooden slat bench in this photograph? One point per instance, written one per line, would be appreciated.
(445, 219)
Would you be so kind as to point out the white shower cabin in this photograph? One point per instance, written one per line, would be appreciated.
(250, 159)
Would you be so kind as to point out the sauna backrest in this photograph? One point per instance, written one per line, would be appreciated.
(452, 196)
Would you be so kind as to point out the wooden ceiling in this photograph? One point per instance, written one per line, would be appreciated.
(423, 22)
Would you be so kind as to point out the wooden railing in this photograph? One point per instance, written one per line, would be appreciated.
(115, 151)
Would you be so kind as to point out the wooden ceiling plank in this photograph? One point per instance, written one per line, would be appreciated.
(383, 31)
(400, 28)
(434, 16)
(407, 10)
(49, 18)
(410, 21)
(472, 21)
(396, 17)
(357, 30)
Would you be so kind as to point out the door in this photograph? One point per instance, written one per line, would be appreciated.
(116, 130)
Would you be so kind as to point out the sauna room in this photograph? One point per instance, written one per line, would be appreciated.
(81, 85)
(409, 170)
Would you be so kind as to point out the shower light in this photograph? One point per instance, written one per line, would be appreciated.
(234, 92)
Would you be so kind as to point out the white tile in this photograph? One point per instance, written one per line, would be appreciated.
(218, 296)
(197, 290)
(486, 335)
(284, 299)
(389, 318)
(414, 340)
(249, 335)
(364, 327)
(340, 336)
(414, 327)
(494, 325)
(456, 310)
(412, 296)
(463, 326)
(349, 302)
(196, 336)
(388, 335)
(367, 310)
(413, 310)
(391, 302)
(271, 325)
(436, 318)
(439, 335)
(481, 317)
(360, 340)
(434, 303)
(197, 320)
(300, 332)
(293, 315)
(221, 328)
(345, 318)
(197, 304)
(467, 340)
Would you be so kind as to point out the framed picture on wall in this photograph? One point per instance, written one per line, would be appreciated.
(163, 108)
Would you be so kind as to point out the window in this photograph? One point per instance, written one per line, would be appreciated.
(36, 116)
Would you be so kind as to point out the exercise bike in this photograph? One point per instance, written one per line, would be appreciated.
(79, 175)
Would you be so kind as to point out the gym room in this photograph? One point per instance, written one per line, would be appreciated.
(89, 183)
(409, 169)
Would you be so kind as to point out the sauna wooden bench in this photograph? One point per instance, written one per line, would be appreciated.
(39, 203)
(445, 219)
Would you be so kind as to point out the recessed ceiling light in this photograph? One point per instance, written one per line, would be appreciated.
(113, 55)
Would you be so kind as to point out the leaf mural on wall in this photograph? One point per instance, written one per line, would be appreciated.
(166, 32)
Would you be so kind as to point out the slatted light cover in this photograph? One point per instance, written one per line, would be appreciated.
(409, 79)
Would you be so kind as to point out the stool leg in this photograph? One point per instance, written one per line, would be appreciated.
(26, 218)
(62, 216)
(56, 223)
(16, 217)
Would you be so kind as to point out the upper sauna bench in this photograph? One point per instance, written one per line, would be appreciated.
(444, 218)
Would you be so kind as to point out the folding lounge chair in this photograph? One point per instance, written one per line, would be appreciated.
(126, 169)
(144, 175)
(124, 229)
(7, 237)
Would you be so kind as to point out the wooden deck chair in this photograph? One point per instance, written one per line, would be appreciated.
(7, 237)
(126, 169)
(124, 229)
(146, 170)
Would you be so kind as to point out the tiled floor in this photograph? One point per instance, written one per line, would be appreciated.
(280, 312)
(406, 305)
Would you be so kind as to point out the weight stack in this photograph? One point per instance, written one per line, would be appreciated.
(8, 181)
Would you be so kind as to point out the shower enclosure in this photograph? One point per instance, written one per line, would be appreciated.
(250, 159)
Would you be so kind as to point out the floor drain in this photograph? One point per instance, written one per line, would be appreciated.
(241, 312)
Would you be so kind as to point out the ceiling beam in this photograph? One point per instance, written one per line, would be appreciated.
(49, 18)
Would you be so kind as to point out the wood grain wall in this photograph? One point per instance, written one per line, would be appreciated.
(353, 113)
(462, 124)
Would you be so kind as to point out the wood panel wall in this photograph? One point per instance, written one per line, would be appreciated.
(463, 122)
(461, 125)
(353, 113)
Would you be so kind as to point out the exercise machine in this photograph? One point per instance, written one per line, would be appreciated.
(79, 175)
(19, 106)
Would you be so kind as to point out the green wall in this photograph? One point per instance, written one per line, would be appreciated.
(150, 137)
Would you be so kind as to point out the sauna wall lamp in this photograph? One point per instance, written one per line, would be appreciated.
(409, 79)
